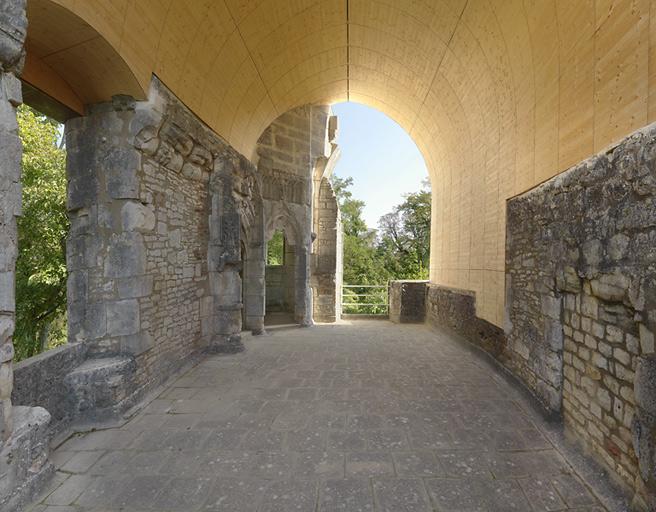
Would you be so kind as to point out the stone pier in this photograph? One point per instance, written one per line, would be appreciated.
(24, 440)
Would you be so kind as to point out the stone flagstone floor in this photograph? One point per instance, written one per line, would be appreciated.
(365, 417)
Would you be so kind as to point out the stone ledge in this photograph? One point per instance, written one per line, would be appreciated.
(102, 389)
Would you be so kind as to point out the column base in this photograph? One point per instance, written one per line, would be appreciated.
(226, 344)
(24, 465)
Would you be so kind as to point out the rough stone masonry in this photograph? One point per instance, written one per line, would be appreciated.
(581, 279)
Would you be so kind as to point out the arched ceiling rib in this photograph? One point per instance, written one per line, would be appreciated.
(498, 94)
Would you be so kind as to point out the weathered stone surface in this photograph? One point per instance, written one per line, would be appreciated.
(40, 380)
(136, 216)
(645, 386)
(13, 30)
(610, 287)
(123, 317)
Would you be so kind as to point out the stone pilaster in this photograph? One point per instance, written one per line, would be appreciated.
(224, 261)
(106, 252)
(13, 27)
(254, 287)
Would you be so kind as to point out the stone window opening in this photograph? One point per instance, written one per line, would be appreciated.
(276, 249)
(42, 229)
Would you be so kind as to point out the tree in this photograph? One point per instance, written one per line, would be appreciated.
(276, 249)
(399, 250)
(42, 229)
(404, 236)
(362, 263)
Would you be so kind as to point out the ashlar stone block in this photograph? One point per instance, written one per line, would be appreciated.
(123, 317)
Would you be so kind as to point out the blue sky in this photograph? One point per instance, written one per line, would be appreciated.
(380, 156)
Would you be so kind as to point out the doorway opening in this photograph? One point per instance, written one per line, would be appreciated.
(280, 279)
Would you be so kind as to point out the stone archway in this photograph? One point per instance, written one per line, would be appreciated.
(280, 217)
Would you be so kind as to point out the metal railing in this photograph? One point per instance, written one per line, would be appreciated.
(376, 302)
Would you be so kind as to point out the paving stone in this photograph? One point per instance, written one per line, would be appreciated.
(320, 465)
(184, 493)
(326, 421)
(184, 463)
(81, 461)
(573, 491)
(346, 495)
(392, 440)
(255, 440)
(289, 496)
(408, 495)
(418, 464)
(474, 495)
(346, 440)
(224, 439)
(69, 490)
(369, 464)
(542, 494)
(368, 421)
(307, 440)
(272, 465)
(465, 463)
(100, 440)
(235, 495)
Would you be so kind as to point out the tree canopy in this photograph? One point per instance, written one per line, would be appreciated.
(398, 250)
(42, 229)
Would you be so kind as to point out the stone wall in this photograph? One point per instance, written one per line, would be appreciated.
(160, 208)
(288, 152)
(407, 301)
(581, 282)
(456, 310)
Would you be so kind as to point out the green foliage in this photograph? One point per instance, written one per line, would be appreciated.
(400, 250)
(276, 249)
(404, 236)
(42, 229)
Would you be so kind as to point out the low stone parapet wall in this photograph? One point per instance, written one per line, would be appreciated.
(455, 310)
(40, 381)
(407, 301)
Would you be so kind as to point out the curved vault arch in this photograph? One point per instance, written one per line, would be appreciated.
(70, 61)
(498, 95)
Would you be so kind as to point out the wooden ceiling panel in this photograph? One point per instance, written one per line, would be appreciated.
(498, 94)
